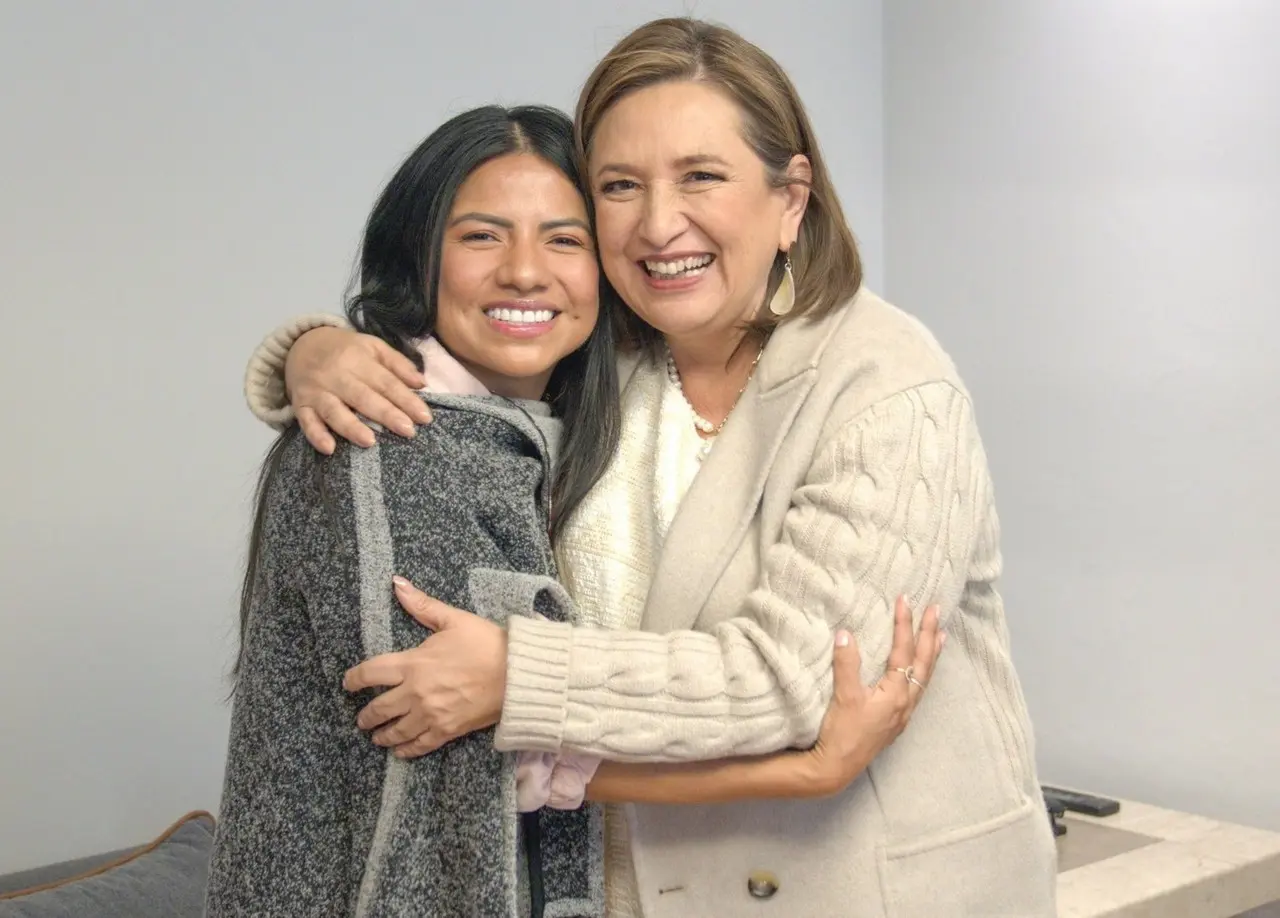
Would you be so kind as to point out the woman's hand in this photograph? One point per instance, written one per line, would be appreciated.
(331, 373)
(859, 724)
(448, 686)
(862, 722)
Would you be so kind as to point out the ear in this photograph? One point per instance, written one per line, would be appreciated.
(796, 195)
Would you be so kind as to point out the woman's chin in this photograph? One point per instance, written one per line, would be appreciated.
(520, 377)
(694, 312)
(678, 321)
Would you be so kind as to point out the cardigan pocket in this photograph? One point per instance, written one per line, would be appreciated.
(1003, 867)
(497, 595)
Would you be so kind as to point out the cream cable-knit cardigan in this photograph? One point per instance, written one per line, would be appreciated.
(850, 472)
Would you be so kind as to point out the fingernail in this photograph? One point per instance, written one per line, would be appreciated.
(842, 638)
(406, 430)
(401, 583)
(942, 641)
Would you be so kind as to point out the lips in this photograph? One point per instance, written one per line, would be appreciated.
(677, 267)
(521, 316)
(522, 312)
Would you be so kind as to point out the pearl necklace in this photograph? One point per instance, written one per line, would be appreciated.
(701, 423)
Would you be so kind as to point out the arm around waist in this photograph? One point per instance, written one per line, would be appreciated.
(888, 508)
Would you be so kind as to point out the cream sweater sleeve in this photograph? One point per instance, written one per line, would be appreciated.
(889, 507)
(264, 377)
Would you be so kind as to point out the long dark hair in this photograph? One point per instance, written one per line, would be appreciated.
(396, 295)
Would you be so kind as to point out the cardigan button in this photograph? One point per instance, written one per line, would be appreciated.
(762, 884)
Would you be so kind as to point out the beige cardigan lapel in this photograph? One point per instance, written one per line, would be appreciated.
(725, 495)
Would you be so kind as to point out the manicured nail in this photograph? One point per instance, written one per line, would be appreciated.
(401, 583)
(842, 638)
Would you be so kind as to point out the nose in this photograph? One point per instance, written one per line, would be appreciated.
(663, 219)
(524, 270)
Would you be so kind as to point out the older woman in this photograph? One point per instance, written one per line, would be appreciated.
(795, 452)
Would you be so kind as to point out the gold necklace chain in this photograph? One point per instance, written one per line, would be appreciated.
(712, 430)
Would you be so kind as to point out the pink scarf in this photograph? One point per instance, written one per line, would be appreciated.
(445, 374)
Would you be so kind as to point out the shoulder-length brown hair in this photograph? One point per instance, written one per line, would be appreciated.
(824, 258)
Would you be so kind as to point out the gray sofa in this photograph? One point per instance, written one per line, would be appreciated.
(163, 879)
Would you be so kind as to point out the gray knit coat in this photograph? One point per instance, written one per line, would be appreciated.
(315, 819)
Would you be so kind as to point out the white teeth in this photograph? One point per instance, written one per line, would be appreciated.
(679, 266)
(521, 316)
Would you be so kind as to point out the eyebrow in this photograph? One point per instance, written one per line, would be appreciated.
(508, 224)
(693, 159)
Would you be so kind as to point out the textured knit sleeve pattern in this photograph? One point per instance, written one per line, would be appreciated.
(293, 756)
(264, 377)
(889, 507)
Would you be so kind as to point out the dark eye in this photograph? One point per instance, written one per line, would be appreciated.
(479, 236)
(617, 185)
(567, 241)
(703, 177)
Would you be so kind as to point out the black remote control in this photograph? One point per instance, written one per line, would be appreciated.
(1056, 812)
(1076, 802)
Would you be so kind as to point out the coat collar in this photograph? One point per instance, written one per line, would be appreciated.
(724, 497)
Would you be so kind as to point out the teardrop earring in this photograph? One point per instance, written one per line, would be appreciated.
(784, 298)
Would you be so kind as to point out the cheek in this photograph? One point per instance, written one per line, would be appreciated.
(582, 282)
(724, 220)
(738, 221)
(466, 272)
(612, 231)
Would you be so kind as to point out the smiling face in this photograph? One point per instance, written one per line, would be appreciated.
(519, 286)
(687, 218)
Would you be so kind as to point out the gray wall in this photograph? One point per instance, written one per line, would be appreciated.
(179, 177)
(1083, 201)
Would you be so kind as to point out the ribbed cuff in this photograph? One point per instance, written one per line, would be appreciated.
(536, 703)
(264, 377)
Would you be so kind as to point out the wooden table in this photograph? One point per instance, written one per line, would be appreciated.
(1148, 862)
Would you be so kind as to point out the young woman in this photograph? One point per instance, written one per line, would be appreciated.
(477, 254)
(478, 266)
